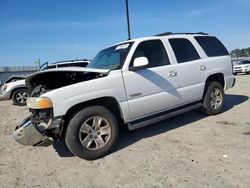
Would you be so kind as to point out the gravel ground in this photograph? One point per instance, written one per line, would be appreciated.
(190, 150)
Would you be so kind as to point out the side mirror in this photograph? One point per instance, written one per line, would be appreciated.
(139, 62)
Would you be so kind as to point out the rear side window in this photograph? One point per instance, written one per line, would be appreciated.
(184, 50)
(212, 46)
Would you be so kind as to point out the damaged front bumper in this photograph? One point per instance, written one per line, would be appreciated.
(27, 133)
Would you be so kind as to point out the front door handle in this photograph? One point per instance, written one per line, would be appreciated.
(203, 67)
(172, 73)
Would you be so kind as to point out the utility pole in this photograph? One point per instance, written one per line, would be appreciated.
(128, 24)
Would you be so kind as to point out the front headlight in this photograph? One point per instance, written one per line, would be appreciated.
(246, 66)
(39, 103)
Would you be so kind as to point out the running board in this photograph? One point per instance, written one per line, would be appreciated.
(133, 126)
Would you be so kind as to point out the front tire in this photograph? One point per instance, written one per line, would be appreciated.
(92, 132)
(20, 97)
(214, 98)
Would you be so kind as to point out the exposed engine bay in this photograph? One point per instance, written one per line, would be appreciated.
(46, 81)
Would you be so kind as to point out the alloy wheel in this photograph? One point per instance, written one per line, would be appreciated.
(216, 98)
(95, 133)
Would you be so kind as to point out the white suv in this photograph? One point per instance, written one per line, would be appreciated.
(134, 83)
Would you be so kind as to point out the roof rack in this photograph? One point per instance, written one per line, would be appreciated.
(170, 33)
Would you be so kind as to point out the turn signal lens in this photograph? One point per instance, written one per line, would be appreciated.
(39, 103)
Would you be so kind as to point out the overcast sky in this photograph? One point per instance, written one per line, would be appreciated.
(54, 30)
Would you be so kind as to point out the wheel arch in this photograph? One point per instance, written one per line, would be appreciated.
(15, 89)
(109, 102)
(218, 77)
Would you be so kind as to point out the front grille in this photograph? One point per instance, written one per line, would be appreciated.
(237, 70)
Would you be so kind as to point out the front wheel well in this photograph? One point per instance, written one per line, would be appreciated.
(108, 102)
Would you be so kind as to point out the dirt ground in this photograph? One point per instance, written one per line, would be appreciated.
(190, 150)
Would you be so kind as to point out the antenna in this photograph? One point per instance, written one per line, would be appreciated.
(128, 24)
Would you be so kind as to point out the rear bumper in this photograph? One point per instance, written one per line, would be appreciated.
(229, 82)
(234, 82)
(27, 134)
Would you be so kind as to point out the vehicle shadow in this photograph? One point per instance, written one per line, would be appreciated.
(128, 138)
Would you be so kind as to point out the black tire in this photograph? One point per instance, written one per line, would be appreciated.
(210, 105)
(20, 96)
(73, 135)
(247, 72)
(235, 73)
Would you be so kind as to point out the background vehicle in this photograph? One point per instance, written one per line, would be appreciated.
(15, 87)
(68, 63)
(242, 67)
(15, 90)
(134, 84)
(14, 78)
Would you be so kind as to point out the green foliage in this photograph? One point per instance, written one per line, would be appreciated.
(244, 52)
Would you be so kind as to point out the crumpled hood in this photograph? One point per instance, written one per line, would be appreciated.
(59, 77)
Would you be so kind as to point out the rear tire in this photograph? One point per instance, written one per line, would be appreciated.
(92, 132)
(214, 98)
(20, 97)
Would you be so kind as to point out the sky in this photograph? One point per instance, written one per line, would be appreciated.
(55, 30)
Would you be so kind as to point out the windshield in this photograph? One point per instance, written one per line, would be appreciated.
(244, 62)
(111, 58)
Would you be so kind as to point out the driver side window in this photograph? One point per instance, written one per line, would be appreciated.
(154, 51)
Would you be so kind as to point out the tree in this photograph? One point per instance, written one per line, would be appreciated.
(244, 52)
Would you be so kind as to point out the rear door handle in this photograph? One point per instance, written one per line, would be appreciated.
(203, 67)
(172, 73)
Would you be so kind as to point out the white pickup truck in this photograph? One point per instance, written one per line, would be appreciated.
(134, 83)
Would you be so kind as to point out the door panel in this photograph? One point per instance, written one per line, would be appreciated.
(190, 80)
(151, 90)
(190, 68)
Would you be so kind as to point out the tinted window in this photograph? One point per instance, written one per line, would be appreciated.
(244, 62)
(63, 65)
(50, 67)
(79, 64)
(184, 50)
(212, 46)
(154, 51)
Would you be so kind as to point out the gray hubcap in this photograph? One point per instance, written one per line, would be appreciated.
(22, 97)
(95, 133)
(216, 98)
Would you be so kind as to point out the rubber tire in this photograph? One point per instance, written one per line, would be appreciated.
(15, 102)
(234, 73)
(72, 133)
(207, 109)
(247, 72)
